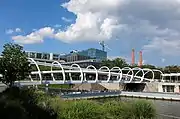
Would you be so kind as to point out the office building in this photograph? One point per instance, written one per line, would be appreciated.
(94, 54)
(84, 58)
(42, 55)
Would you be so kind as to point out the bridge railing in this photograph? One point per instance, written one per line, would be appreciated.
(93, 75)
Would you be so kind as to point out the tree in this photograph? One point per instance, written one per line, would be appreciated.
(118, 62)
(14, 64)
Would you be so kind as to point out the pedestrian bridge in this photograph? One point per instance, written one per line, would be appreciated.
(74, 74)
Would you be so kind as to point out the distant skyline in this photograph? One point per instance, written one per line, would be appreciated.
(60, 26)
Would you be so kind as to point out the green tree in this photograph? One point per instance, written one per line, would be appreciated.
(14, 64)
(118, 62)
(172, 69)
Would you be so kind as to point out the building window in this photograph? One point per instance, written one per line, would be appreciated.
(46, 56)
(32, 55)
(39, 55)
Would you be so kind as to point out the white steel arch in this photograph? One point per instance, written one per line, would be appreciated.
(119, 73)
(122, 76)
(147, 71)
(80, 71)
(129, 70)
(161, 73)
(63, 72)
(139, 70)
(96, 72)
(39, 71)
(109, 73)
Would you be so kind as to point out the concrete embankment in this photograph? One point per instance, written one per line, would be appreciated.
(137, 87)
(155, 96)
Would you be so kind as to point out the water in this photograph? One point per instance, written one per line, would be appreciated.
(165, 109)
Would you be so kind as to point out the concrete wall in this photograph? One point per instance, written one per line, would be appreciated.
(147, 87)
(88, 87)
(151, 87)
(176, 86)
(113, 86)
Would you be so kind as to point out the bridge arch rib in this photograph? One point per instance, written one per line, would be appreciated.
(80, 71)
(161, 74)
(136, 74)
(96, 72)
(119, 76)
(147, 71)
(127, 74)
(107, 70)
(63, 72)
(39, 71)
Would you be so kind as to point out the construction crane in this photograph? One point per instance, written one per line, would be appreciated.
(104, 46)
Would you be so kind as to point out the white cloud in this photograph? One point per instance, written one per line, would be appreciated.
(165, 46)
(35, 37)
(9, 31)
(17, 30)
(156, 20)
(66, 19)
(57, 26)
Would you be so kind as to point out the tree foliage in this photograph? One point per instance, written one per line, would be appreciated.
(118, 62)
(13, 64)
(18, 103)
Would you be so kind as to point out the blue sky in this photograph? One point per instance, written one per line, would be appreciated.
(60, 26)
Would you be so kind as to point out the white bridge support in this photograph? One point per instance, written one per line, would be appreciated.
(90, 74)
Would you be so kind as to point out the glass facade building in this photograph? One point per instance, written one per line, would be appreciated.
(91, 53)
(94, 54)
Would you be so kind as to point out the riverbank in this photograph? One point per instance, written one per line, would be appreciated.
(144, 95)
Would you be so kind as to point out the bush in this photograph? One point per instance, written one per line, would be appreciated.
(129, 110)
(25, 103)
(82, 109)
(12, 109)
(33, 104)
(113, 109)
(143, 109)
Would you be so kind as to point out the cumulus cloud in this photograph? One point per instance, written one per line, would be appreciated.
(17, 30)
(165, 46)
(35, 37)
(10, 31)
(155, 20)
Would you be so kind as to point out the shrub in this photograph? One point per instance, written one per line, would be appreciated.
(82, 109)
(34, 104)
(143, 109)
(25, 103)
(12, 109)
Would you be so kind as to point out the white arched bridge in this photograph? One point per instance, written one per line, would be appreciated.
(74, 74)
